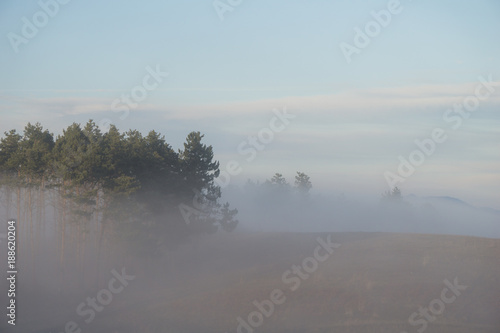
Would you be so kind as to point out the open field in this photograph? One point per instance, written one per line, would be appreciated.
(373, 282)
(227, 166)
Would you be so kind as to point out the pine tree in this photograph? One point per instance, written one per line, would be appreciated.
(302, 184)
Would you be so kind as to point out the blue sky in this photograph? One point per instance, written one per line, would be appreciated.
(225, 77)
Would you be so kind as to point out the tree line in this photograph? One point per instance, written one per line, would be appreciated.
(112, 185)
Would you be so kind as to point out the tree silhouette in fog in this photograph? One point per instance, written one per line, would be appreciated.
(393, 195)
(124, 186)
(302, 184)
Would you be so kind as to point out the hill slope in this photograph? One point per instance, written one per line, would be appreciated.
(372, 283)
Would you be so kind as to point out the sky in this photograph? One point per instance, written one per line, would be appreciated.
(340, 90)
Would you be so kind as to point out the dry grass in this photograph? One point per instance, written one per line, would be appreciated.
(372, 283)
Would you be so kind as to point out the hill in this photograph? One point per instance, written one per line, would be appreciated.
(372, 282)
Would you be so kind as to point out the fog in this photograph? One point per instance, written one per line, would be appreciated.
(336, 212)
(128, 130)
(116, 289)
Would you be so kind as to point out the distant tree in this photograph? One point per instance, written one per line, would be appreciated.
(393, 195)
(302, 184)
(67, 151)
(277, 184)
(9, 152)
(278, 180)
(10, 167)
(35, 152)
(198, 171)
(197, 166)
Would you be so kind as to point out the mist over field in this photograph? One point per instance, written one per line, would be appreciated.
(249, 166)
(263, 211)
(118, 231)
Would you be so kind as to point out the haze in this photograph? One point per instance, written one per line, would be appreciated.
(250, 166)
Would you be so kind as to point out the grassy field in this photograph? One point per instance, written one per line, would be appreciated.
(373, 282)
